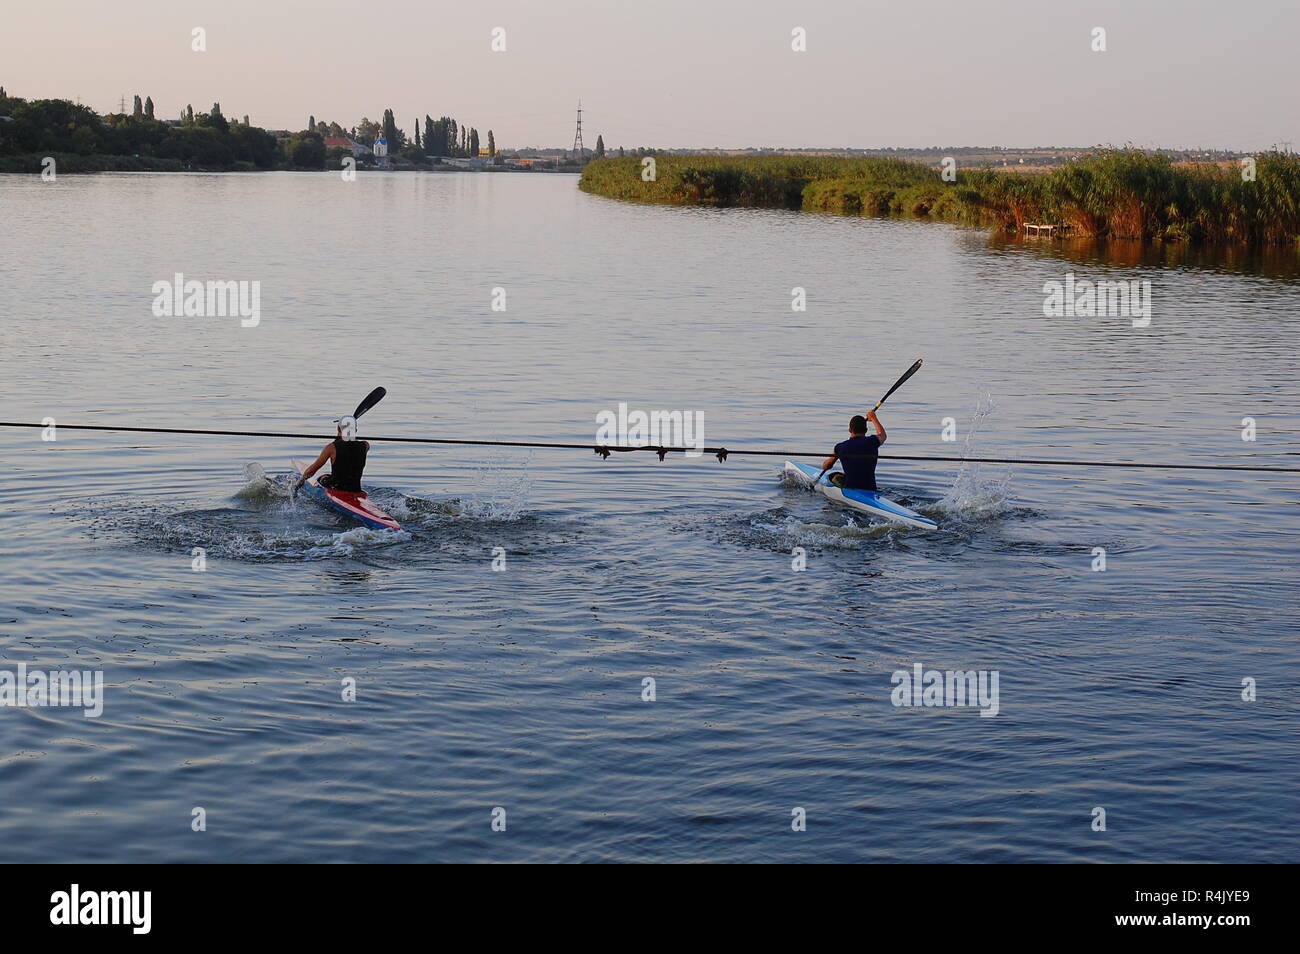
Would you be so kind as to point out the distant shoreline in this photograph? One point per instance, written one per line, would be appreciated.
(73, 164)
(78, 141)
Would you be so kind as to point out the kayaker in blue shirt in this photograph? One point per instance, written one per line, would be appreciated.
(347, 459)
(857, 454)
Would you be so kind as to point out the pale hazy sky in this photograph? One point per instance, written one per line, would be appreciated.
(693, 72)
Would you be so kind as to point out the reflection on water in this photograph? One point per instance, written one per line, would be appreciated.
(1272, 261)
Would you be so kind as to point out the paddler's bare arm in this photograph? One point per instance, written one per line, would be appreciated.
(880, 428)
(326, 455)
(829, 462)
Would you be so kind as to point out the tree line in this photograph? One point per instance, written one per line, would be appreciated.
(33, 129)
(58, 127)
(435, 138)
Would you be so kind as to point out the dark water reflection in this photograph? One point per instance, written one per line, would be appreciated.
(1274, 262)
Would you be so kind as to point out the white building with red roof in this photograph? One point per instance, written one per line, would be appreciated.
(343, 142)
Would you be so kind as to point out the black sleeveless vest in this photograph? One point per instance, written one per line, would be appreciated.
(349, 462)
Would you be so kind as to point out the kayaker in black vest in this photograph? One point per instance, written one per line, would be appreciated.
(346, 456)
(857, 454)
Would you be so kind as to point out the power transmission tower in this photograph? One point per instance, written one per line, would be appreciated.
(577, 135)
(121, 105)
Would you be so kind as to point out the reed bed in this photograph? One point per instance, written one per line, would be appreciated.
(1116, 193)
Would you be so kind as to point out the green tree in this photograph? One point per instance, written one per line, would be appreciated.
(492, 144)
(214, 119)
(390, 131)
(254, 145)
(54, 125)
(148, 107)
(311, 123)
(137, 108)
(197, 145)
(600, 147)
(367, 131)
(306, 150)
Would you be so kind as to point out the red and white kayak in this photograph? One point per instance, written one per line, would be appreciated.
(357, 506)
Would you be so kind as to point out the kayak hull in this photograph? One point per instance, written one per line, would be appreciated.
(357, 506)
(863, 501)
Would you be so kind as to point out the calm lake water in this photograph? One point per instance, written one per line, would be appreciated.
(522, 689)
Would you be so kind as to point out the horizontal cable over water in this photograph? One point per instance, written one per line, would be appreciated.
(719, 452)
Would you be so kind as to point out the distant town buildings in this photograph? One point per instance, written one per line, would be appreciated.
(343, 142)
(461, 162)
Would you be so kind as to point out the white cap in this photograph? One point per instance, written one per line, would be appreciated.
(348, 425)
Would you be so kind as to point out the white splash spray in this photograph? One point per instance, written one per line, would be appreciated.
(979, 490)
(502, 487)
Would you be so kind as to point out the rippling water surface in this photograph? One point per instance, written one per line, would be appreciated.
(522, 689)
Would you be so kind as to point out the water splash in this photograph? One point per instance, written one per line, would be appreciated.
(405, 507)
(503, 485)
(979, 491)
(261, 488)
(345, 543)
(781, 530)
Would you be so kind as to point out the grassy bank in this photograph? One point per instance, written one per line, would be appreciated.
(1117, 193)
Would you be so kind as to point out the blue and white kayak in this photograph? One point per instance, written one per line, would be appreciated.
(357, 506)
(864, 501)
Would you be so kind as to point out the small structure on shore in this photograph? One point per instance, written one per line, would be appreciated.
(380, 149)
(1049, 229)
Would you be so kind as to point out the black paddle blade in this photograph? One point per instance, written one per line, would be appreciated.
(377, 395)
(899, 383)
